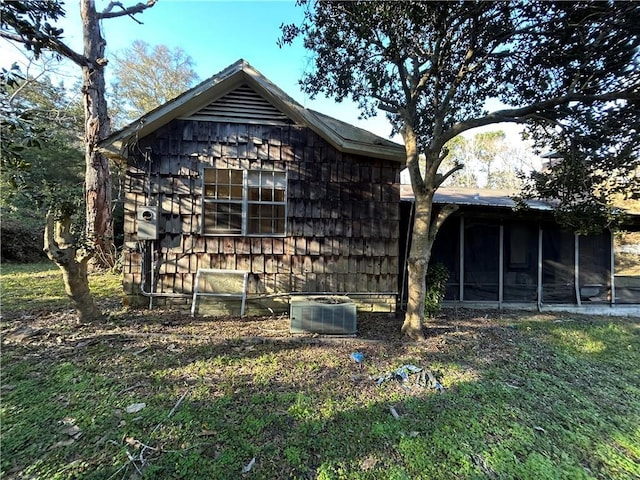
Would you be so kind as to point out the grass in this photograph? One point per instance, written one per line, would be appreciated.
(39, 286)
(526, 396)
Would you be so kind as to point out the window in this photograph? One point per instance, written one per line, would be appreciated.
(244, 202)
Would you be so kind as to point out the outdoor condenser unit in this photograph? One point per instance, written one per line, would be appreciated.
(147, 223)
(323, 314)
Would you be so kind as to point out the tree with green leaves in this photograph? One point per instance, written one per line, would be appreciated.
(146, 77)
(592, 173)
(42, 143)
(31, 23)
(490, 160)
(42, 158)
(431, 66)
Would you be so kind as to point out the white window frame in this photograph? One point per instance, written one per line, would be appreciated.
(279, 182)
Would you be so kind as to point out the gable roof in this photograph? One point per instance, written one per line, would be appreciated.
(238, 89)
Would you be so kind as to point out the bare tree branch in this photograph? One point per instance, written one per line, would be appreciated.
(53, 44)
(441, 178)
(535, 110)
(130, 11)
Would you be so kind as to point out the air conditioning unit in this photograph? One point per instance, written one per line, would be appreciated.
(323, 314)
(147, 218)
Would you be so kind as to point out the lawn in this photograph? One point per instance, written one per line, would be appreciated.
(154, 394)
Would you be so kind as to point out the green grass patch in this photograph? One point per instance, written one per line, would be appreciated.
(526, 397)
(39, 286)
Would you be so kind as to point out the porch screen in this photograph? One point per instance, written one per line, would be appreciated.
(627, 267)
(558, 248)
(446, 250)
(520, 262)
(481, 261)
(594, 272)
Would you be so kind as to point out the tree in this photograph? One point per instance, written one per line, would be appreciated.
(431, 66)
(147, 78)
(41, 148)
(42, 159)
(29, 22)
(590, 175)
(490, 161)
(460, 151)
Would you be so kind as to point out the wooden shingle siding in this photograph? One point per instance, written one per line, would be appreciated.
(342, 210)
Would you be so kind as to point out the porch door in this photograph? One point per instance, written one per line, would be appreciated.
(481, 260)
(558, 253)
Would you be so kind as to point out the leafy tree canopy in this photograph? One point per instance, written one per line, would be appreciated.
(29, 21)
(148, 77)
(42, 158)
(432, 65)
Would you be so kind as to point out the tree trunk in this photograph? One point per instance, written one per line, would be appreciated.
(99, 219)
(425, 228)
(60, 247)
(418, 261)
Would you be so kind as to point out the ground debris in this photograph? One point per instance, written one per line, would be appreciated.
(247, 468)
(482, 464)
(22, 333)
(135, 407)
(394, 412)
(423, 377)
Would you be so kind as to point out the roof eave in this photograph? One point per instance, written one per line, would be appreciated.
(237, 74)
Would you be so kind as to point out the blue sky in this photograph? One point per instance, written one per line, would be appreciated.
(215, 34)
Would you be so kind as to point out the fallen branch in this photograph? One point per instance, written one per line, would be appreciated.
(138, 461)
(128, 389)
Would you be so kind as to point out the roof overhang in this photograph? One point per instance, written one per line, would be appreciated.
(344, 137)
(477, 198)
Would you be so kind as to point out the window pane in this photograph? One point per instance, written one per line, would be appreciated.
(222, 192)
(253, 178)
(227, 190)
(210, 175)
(236, 177)
(223, 217)
(236, 192)
(278, 195)
(254, 194)
(266, 219)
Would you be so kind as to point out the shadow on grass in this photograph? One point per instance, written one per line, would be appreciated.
(520, 402)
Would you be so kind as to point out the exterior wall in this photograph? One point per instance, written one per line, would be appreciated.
(342, 213)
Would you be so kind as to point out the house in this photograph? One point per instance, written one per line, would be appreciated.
(233, 188)
(500, 256)
(235, 193)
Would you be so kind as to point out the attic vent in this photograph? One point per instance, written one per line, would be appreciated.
(324, 314)
(243, 105)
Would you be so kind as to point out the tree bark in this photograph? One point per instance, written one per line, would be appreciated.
(60, 247)
(99, 224)
(418, 261)
(424, 233)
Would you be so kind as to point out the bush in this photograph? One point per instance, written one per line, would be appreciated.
(437, 277)
(22, 239)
